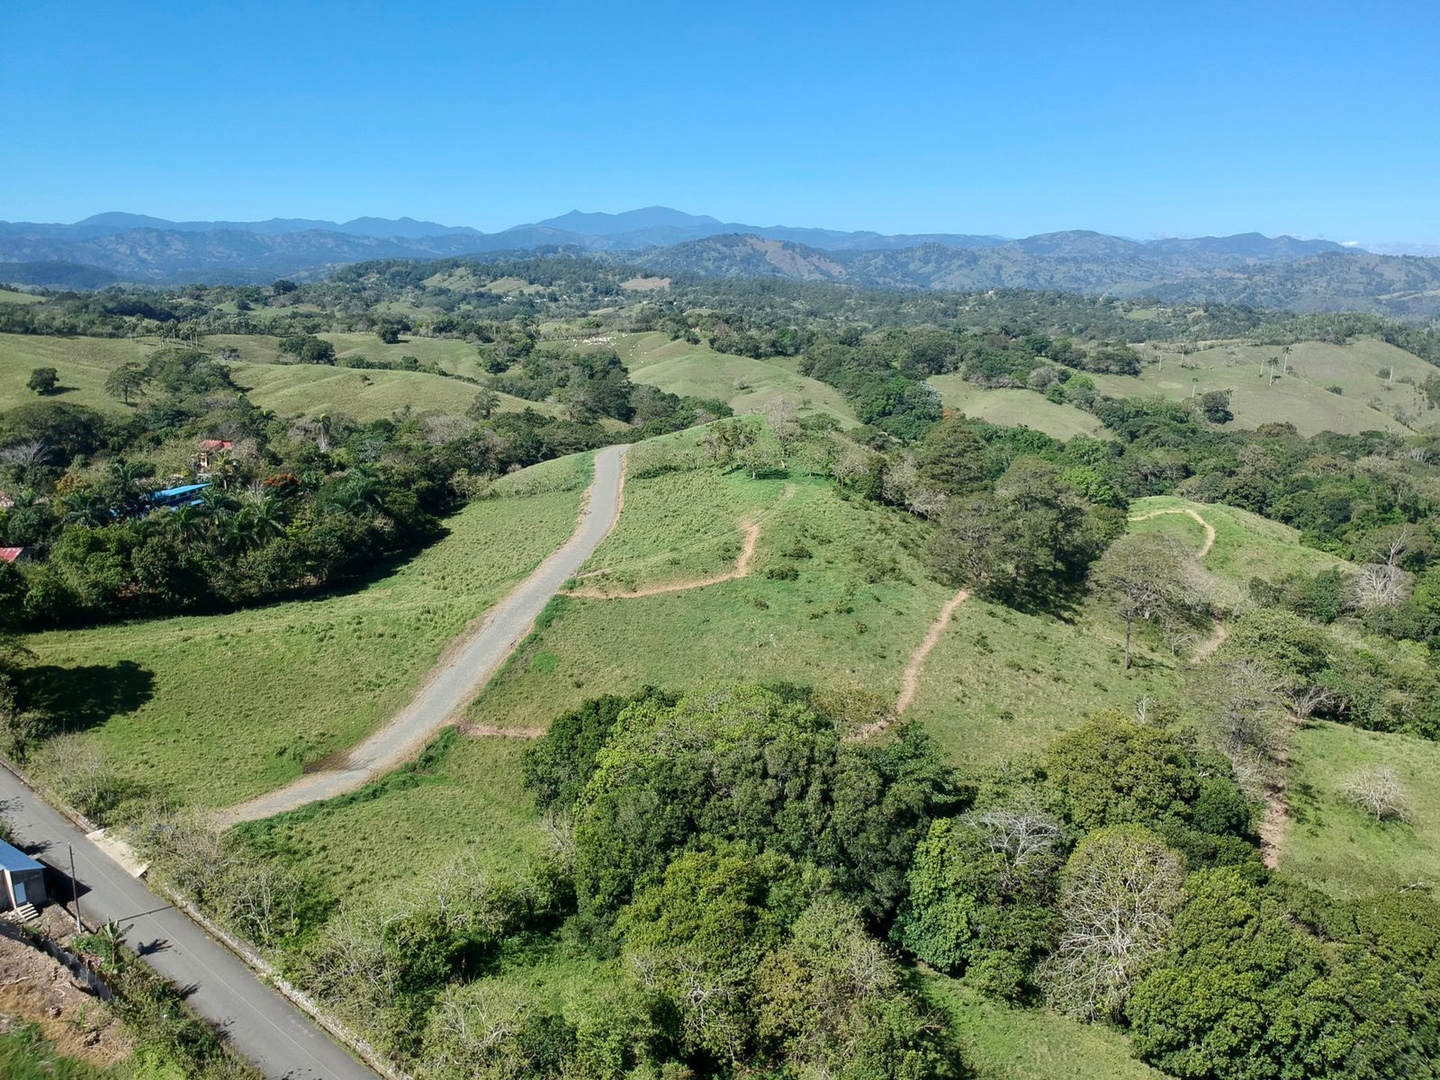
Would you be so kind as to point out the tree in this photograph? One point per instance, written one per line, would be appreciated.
(1113, 771)
(1153, 577)
(127, 381)
(1029, 544)
(485, 403)
(1378, 791)
(1245, 991)
(979, 896)
(1215, 406)
(1118, 895)
(43, 380)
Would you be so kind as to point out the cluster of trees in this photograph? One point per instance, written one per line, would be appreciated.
(729, 856)
(748, 870)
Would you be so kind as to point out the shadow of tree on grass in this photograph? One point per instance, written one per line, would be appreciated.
(80, 698)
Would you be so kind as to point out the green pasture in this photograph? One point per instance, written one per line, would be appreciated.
(217, 708)
(1336, 847)
(1001, 1042)
(1015, 407)
(83, 363)
(468, 805)
(10, 296)
(1366, 403)
(836, 598)
(1246, 545)
(312, 389)
(748, 386)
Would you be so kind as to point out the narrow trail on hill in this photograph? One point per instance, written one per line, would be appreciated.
(1276, 818)
(1209, 529)
(741, 570)
(465, 667)
(1206, 649)
(910, 681)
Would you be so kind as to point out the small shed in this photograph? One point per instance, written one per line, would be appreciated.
(24, 879)
(12, 555)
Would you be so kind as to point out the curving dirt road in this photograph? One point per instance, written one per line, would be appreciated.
(466, 666)
(742, 567)
(1209, 529)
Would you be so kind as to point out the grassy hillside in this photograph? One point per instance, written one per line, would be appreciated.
(309, 389)
(82, 362)
(1013, 407)
(1005, 1043)
(1335, 846)
(748, 386)
(469, 803)
(855, 608)
(1301, 397)
(217, 708)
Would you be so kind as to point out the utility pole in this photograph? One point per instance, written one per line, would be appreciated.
(75, 891)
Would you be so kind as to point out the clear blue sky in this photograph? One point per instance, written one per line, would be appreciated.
(1315, 118)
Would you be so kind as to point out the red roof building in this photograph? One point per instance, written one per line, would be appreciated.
(9, 555)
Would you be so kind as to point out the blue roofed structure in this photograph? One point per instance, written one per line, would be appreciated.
(177, 496)
(23, 879)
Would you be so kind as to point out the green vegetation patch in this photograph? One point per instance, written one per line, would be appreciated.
(218, 708)
(1333, 845)
(1002, 1042)
(1013, 407)
(1001, 683)
(749, 386)
(836, 597)
(311, 389)
(1368, 400)
(463, 798)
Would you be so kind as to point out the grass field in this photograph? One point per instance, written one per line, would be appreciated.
(1013, 407)
(82, 362)
(851, 615)
(748, 386)
(310, 389)
(10, 296)
(218, 708)
(470, 805)
(1001, 684)
(1246, 545)
(1336, 847)
(1004, 1043)
(1301, 396)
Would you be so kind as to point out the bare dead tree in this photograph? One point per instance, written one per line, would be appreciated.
(1118, 896)
(1380, 792)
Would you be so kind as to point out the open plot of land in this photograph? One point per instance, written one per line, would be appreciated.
(1338, 848)
(1014, 407)
(835, 599)
(470, 805)
(1001, 683)
(218, 708)
(748, 386)
(1300, 397)
(1005, 1043)
(1246, 545)
(10, 296)
(311, 389)
(83, 364)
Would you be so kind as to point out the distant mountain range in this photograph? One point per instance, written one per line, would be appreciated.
(1250, 268)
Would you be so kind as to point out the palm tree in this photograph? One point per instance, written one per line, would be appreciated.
(87, 509)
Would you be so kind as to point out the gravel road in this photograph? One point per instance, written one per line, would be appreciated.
(468, 666)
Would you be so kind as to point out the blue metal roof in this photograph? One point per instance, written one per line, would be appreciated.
(184, 489)
(12, 858)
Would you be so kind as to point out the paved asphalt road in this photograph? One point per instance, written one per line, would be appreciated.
(448, 690)
(267, 1029)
